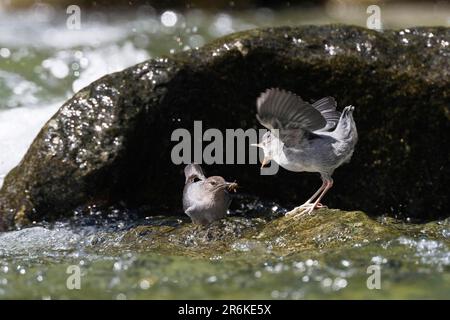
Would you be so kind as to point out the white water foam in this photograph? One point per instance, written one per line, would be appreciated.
(18, 128)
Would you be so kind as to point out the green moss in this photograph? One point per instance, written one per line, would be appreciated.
(323, 230)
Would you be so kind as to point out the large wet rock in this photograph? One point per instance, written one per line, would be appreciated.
(111, 141)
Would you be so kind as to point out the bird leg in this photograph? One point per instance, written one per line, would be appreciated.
(308, 206)
(328, 185)
(309, 203)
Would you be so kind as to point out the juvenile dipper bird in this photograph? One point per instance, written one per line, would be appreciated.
(205, 199)
(305, 137)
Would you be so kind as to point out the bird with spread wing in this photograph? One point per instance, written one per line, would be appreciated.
(306, 137)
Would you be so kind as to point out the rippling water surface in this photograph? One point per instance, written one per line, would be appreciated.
(42, 63)
(34, 262)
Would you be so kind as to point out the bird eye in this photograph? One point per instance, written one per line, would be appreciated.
(196, 179)
(213, 183)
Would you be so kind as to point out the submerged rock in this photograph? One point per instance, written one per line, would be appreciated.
(269, 236)
(111, 142)
(325, 229)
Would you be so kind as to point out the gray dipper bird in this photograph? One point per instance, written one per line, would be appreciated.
(305, 137)
(205, 199)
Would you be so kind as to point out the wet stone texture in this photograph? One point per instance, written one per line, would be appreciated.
(111, 142)
(263, 237)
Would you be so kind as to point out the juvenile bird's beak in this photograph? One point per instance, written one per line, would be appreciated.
(256, 145)
(265, 162)
(231, 186)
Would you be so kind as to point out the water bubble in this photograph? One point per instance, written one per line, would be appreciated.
(196, 41)
(378, 260)
(279, 294)
(78, 54)
(84, 62)
(300, 266)
(296, 295)
(345, 263)
(339, 283)
(144, 284)
(5, 53)
(446, 233)
(310, 263)
(56, 67)
(121, 296)
(327, 282)
(169, 18)
(297, 40)
(117, 266)
(222, 25)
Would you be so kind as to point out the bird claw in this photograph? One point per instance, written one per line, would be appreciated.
(305, 209)
(298, 212)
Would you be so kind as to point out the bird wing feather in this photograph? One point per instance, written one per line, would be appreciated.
(327, 107)
(193, 171)
(287, 115)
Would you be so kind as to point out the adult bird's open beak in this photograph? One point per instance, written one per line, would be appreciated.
(265, 162)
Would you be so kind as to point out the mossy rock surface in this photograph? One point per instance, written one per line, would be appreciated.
(266, 237)
(325, 229)
(111, 142)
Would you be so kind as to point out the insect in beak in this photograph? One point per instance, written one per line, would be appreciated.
(231, 186)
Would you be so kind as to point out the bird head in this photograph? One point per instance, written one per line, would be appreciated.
(268, 145)
(217, 185)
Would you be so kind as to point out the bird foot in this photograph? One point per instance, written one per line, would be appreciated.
(305, 209)
(297, 212)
